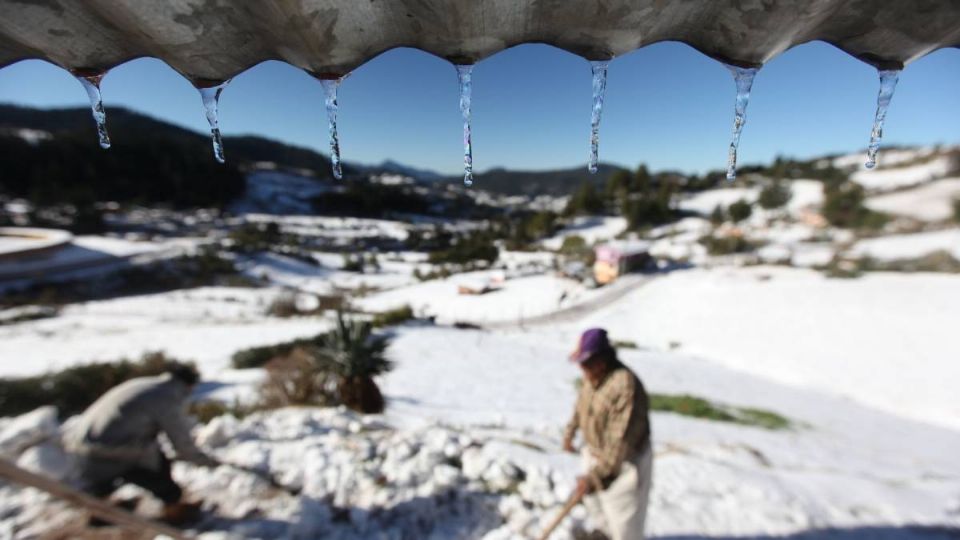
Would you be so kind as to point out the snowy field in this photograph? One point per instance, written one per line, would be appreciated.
(469, 449)
(278, 192)
(865, 370)
(885, 340)
(14, 239)
(84, 252)
(326, 279)
(705, 202)
(512, 300)
(206, 325)
(929, 202)
(886, 179)
(592, 229)
(469, 445)
(910, 246)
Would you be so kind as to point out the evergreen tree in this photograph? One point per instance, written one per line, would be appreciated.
(774, 195)
(718, 216)
(740, 211)
(586, 201)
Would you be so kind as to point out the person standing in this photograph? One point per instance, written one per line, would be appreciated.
(612, 414)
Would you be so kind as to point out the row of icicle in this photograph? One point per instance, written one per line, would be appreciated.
(743, 77)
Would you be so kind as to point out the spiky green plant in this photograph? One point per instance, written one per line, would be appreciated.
(355, 354)
(352, 349)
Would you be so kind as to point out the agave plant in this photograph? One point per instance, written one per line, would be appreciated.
(355, 354)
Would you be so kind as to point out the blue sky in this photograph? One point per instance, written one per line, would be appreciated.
(667, 106)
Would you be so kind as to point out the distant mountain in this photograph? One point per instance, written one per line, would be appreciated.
(392, 167)
(137, 139)
(553, 182)
(150, 162)
(126, 126)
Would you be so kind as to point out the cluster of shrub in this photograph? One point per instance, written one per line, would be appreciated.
(255, 357)
(940, 261)
(697, 407)
(644, 199)
(333, 368)
(73, 389)
(368, 199)
(843, 206)
(470, 247)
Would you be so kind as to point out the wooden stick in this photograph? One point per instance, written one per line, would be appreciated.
(94, 505)
(575, 498)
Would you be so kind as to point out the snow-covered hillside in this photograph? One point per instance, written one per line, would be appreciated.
(470, 449)
(740, 310)
(886, 340)
(592, 229)
(898, 167)
(909, 246)
(929, 202)
(512, 300)
(206, 325)
(277, 192)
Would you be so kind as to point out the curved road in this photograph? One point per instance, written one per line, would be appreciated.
(608, 295)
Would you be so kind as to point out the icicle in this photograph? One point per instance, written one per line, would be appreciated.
(888, 83)
(599, 69)
(744, 79)
(211, 98)
(330, 87)
(464, 75)
(91, 83)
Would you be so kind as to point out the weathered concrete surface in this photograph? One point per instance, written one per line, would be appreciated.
(213, 40)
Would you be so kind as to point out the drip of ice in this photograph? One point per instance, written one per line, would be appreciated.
(91, 83)
(599, 68)
(464, 75)
(888, 83)
(743, 77)
(211, 98)
(330, 87)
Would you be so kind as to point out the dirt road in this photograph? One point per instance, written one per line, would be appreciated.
(608, 294)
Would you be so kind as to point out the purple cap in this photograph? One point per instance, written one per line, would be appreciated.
(591, 342)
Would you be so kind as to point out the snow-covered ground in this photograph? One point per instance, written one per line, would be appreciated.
(705, 202)
(326, 279)
(592, 229)
(887, 158)
(839, 467)
(206, 325)
(469, 449)
(909, 246)
(18, 239)
(886, 340)
(278, 192)
(344, 230)
(510, 300)
(804, 194)
(90, 253)
(865, 369)
(928, 202)
(885, 179)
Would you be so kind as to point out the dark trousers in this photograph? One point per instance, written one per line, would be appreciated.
(159, 482)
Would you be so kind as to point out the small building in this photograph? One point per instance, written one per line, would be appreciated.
(477, 285)
(614, 259)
